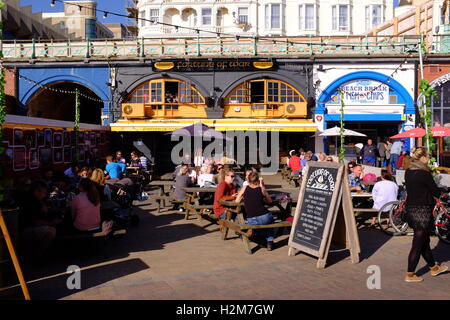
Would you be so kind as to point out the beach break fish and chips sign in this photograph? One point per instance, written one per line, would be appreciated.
(366, 92)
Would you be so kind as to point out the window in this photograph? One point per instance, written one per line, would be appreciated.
(173, 92)
(273, 16)
(307, 17)
(206, 16)
(142, 16)
(242, 15)
(374, 16)
(254, 92)
(154, 15)
(341, 17)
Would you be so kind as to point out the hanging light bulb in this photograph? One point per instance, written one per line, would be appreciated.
(52, 4)
(105, 14)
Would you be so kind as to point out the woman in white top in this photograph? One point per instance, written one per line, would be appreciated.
(204, 176)
(383, 192)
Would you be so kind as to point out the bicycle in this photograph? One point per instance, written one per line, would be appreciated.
(396, 223)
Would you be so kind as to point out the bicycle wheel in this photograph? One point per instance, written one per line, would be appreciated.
(384, 218)
(442, 225)
(397, 219)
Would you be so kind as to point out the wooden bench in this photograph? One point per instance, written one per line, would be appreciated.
(104, 236)
(197, 209)
(166, 199)
(246, 230)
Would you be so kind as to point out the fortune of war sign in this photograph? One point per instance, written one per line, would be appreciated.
(324, 194)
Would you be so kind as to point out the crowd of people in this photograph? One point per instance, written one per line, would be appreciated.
(66, 202)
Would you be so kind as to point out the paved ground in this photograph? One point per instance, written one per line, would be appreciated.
(167, 257)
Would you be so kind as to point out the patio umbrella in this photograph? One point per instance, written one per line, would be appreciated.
(198, 130)
(440, 132)
(413, 133)
(335, 132)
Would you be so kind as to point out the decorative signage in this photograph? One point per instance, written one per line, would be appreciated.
(366, 92)
(202, 65)
(324, 209)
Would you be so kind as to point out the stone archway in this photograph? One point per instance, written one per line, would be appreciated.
(58, 103)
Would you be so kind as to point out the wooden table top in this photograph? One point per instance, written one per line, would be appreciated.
(360, 195)
(231, 203)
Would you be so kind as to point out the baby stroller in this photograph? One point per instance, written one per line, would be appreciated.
(123, 193)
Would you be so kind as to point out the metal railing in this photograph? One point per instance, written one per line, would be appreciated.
(202, 46)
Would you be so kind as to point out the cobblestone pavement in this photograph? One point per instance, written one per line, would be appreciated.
(167, 257)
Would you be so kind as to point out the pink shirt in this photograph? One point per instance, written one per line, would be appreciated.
(85, 215)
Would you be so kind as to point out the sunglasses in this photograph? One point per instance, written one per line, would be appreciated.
(231, 176)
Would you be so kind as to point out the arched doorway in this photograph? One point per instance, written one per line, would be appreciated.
(265, 98)
(164, 98)
(189, 17)
(57, 101)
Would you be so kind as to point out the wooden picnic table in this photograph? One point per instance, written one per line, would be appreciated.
(241, 227)
(192, 201)
(163, 195)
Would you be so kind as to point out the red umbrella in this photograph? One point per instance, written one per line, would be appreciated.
(413, 133)
(440, 131)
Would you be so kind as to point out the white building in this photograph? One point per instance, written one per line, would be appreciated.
(262, 17)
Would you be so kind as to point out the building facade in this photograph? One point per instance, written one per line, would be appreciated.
(378, 99)
(262, 18)
(80, 21)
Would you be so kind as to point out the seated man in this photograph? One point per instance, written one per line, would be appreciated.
(114, 169)
(355, 178)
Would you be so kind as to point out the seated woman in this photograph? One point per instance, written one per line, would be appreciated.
(37, 227)
(98, 178)
(182, 180)
(255, 195)
(225, 191)
(205, 176)
(86, 208)
(384, 191)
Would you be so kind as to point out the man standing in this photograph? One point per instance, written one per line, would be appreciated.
(382, 152)
(396, 149)
(369, 153)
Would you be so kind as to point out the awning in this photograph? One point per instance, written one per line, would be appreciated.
(283, 125)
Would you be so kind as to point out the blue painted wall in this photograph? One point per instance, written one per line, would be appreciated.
(94, 78)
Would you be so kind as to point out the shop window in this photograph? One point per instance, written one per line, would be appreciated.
(160, 91)
(255, 92)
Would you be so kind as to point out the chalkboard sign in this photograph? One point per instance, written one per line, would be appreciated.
(315, 206)
(324, 194)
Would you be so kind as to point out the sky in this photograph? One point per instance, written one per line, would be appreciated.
(117, 6)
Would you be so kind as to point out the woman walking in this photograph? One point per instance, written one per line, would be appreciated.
(421, 190)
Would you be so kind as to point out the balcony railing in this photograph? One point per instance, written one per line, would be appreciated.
(231, 47)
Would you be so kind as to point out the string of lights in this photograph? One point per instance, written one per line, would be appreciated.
(53, 89)
(218, 34)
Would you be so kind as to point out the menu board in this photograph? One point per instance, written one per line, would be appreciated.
(315, 207)
(324, 194)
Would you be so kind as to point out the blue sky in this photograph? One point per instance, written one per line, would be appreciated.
(117, 6)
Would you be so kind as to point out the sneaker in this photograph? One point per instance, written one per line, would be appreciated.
(269, 245)
(411, 277)
(438, 269)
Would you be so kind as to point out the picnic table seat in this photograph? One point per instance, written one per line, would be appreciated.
(166, 199)
(198, 209)
(246, 230)
(104, 236)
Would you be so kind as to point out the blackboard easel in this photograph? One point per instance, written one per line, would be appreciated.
(5, 234)
(324, 213)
